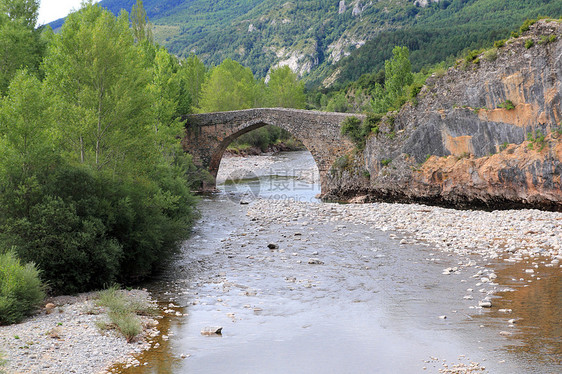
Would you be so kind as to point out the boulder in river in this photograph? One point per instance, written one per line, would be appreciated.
(209, 331)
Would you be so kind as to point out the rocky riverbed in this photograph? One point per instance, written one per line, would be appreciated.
(513, 235)
(329, 287)
(65, 338)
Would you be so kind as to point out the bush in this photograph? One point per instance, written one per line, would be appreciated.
(85, 230)
(21, 290)
(527, 25)
(353, 128)
(508, 104)
(545, 39)
(499, 43)
(491, 54)
(529, 43)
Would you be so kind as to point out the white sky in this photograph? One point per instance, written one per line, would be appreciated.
(51, 10)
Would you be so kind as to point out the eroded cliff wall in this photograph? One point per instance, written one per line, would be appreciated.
(487, 133)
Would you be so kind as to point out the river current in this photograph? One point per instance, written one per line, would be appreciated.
(335, 298)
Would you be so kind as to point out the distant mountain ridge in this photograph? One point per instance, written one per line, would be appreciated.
(330, 41)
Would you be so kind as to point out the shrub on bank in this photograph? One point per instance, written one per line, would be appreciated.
(85, 230)
(21, 290)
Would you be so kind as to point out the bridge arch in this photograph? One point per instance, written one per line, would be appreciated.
(209, 134)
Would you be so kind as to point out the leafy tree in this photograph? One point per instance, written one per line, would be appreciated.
(93, 185)
(230, 86)
(284, 89)
(95, 71)
(165, 93)
(142, 29)
(192, 75)
(398, 75)
(23, 11)
(20, 44)
(25, 147)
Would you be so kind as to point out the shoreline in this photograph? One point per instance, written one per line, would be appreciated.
(66, 338)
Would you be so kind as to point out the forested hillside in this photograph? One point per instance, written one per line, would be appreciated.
(338, 40)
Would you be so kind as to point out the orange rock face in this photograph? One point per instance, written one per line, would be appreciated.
(483, 134)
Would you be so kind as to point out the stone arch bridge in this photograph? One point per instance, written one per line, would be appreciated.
(209, 134)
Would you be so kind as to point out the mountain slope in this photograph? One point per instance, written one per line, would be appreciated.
(315, 37)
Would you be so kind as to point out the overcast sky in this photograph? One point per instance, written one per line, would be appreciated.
(51, 10)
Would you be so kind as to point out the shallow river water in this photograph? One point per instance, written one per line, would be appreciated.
(366, 304)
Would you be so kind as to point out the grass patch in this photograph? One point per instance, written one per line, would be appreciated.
(529, 43)
(123, 312)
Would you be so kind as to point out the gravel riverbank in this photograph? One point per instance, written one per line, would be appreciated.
(67, 339)
(513, 235)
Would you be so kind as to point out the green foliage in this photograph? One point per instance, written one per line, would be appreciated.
(94, 186)
(508, 104)
(491, 54)
(436, 35)
(398, 75)
(192, 74)
(385, 162)
(372, 122)
(527, 25)
(500, 43)
(142, 29)
(21, 290)
(537, 140)
(284, 90)
(353, 128)
(546, 39)
(21, 45)
(338, 103)
(529, 43)
(230, 86)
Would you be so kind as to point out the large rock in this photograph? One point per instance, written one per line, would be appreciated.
(461, 146)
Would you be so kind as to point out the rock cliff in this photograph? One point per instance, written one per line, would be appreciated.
(487, 133)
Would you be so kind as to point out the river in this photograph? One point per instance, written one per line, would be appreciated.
(337, 297)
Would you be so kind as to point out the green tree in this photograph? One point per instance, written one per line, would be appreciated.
(142, 29)
(25, 146)
(284, 89)
(95, 71)
(230, 86)
(398, 76)
(23, 11)
(20, 43)
(192, 75)
(166, 95)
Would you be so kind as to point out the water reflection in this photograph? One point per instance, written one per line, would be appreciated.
(536, 306)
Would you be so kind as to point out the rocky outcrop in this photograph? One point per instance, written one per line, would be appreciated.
(486, 133)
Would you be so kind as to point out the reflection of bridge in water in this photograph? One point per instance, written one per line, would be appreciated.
(209, 134)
